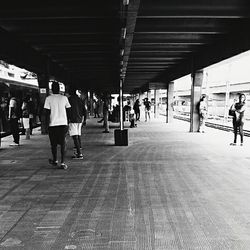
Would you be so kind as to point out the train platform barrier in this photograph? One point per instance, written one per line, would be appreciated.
(168, 189)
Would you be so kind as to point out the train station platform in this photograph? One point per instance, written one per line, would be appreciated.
(168, 189)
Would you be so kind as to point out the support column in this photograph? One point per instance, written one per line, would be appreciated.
(227, 94)
(121, 135)
(43, 83)
(196, 88)
(169, 106)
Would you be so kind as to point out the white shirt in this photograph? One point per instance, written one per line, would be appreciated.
(57, 105)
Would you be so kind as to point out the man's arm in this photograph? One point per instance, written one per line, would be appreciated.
(68, 112)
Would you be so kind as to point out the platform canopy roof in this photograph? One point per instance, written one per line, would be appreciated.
(93, 44)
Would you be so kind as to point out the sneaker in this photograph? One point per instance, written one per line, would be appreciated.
(77, 157)
(232, 144)
(241, 144)
(52, 162)
(64, 166)
(75, 153)
(14, 144)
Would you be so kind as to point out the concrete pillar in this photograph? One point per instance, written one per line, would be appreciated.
(196, 89)
(169, 106)
(43, 83)
(121, 135)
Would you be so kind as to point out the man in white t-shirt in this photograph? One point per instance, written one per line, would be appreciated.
(56, 106)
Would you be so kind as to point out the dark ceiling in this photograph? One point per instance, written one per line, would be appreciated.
(80, 42)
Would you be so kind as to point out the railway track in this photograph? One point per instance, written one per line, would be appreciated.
(214, 125)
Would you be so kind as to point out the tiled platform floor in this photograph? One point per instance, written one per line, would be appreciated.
(169, 189)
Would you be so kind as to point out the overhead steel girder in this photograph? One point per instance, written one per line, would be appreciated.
(16, 52)
(210, 54)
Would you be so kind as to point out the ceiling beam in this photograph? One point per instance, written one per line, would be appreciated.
(210, 54)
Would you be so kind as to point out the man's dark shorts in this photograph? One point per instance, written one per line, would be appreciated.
(57, 135)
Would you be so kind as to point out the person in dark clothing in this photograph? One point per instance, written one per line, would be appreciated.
(238, 110)
(57, 108)
(14, 116)
(147, 105)
(26, 116)
(106, 105)
(136, 108)
(126, 111)
(96, 109)
(76, 118)
(31, 106)
(4, 113)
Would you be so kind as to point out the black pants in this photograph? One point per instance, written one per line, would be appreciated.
(14, 128)
(137, 115)
(238, 126)
(57, 135)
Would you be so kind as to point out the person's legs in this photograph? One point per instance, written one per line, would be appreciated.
(202, 124)
(75, 133)
(15, 130)
(53, 143)
(235, 131)
(79, 141)
(31, 125)
(54, 152)
(62, 137)
(241, 133)
(62, 152)
(76, 143)
(26, 125)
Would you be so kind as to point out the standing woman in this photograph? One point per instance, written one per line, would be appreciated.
(238, 118)
(137, 110)
(26, 115)
(202, 113)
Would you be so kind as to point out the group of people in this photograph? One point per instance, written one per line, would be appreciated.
(65, 114)
(236, 111)
(24, 111)
(130, 113)
(59, 111)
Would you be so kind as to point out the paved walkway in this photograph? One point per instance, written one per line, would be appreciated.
(169, 189)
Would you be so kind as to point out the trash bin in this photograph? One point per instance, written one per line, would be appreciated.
(121, 137)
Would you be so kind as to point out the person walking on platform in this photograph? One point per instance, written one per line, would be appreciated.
(31, 106)
(76, 118)
(237, 110)
(106, 105)
(147, 105)
(96, 109)
(202, 113)
(26, 116)
(136, 108)
(14, 116)
(56, 107)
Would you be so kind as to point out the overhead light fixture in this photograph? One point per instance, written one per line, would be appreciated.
(123, 33)
(121, 62)
(122, 52)
(125, 2)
